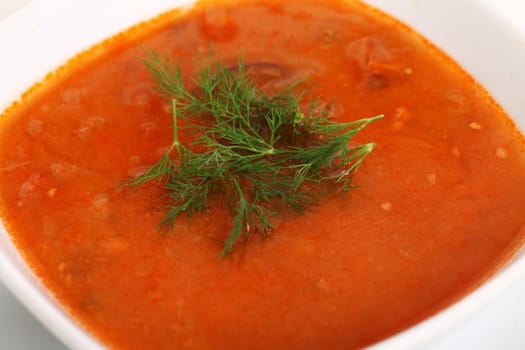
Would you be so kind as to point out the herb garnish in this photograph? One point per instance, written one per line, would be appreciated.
(256, 150)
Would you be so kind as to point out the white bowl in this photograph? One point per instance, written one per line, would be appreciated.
(45, 34)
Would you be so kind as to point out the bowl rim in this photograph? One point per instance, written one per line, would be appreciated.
(20, 280)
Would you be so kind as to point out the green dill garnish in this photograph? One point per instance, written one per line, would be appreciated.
(259, 152)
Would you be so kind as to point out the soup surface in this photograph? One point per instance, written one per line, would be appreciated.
(438, 206)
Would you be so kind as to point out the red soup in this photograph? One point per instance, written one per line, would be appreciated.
(436, 208)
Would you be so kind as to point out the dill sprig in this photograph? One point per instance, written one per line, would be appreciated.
(259, 152)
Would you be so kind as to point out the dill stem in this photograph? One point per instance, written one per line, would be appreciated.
(176, 142)
(238, 221)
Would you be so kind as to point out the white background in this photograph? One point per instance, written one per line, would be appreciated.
(501, 326)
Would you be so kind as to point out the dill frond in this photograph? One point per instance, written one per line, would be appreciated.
(259, 150)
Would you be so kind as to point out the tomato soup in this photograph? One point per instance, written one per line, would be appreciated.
(437, 207)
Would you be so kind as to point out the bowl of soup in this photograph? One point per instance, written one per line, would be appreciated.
(429, 230)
